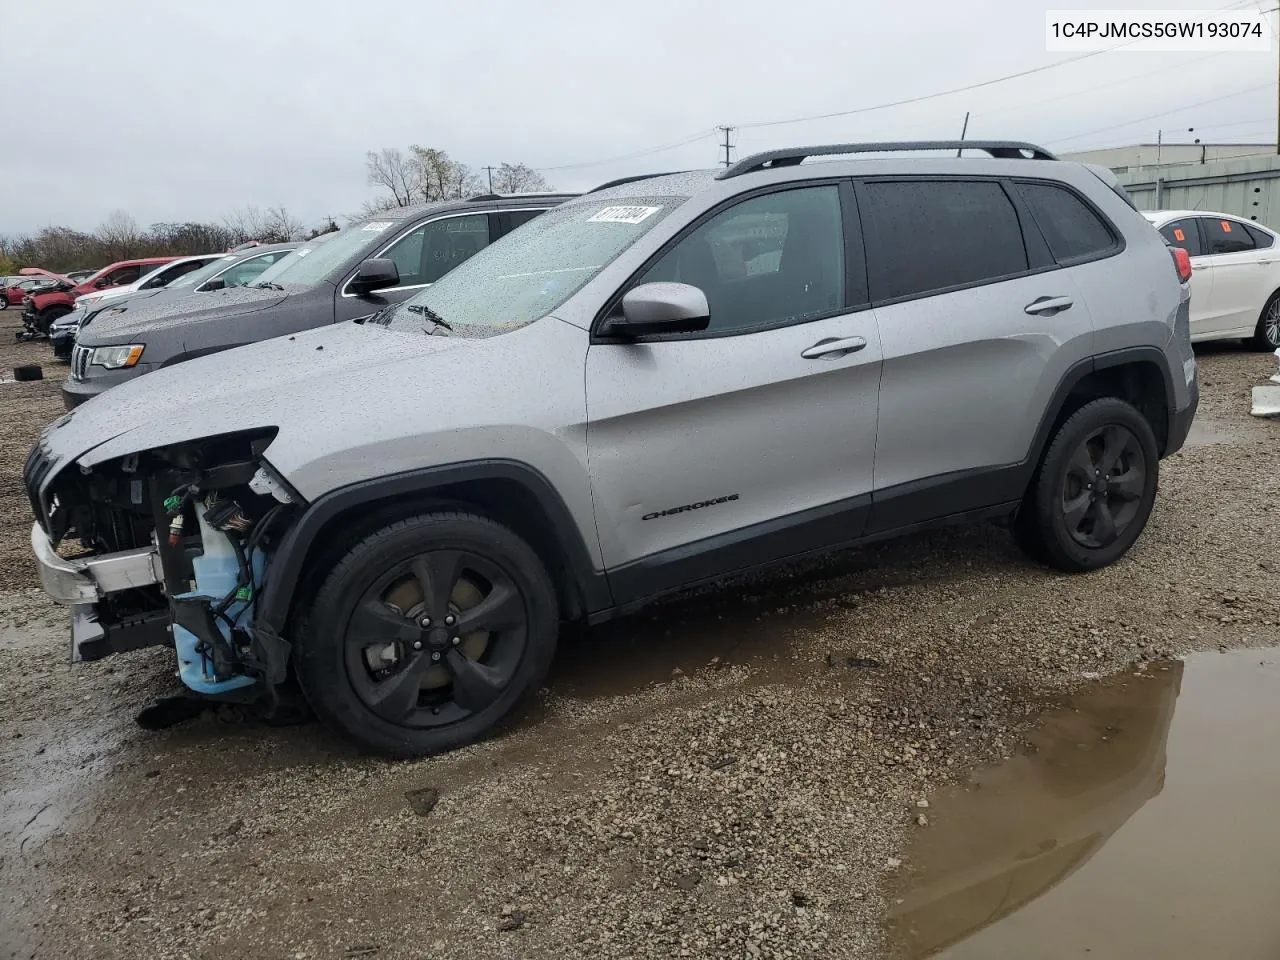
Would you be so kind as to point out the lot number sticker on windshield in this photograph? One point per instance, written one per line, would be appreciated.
(377, 226)
(623, 215)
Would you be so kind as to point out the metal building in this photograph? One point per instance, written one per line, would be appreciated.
(1240, 179)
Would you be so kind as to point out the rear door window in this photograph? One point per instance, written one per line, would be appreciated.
(1225, 236)
(1184, 234)
(1070, 227)
(930, 235)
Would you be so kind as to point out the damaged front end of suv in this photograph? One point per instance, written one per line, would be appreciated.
(169, 546)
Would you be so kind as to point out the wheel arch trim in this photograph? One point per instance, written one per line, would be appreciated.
(295, 547)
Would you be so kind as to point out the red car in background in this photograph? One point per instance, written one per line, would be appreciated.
(15, 289)
(42, 308)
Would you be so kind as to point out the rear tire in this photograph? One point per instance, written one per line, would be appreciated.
(1092, 495)
(1266, 336)
(427, 633)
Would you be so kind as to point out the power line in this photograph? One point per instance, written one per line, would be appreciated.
(1165, 113)
(885, 106)
(964, 89)
(630, 156)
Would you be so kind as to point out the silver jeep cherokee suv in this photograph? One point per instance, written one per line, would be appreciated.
(660, 383)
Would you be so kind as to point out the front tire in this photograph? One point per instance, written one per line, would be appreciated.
(4, 302)
(427, 633)
(1266, 336)
(1093, 493)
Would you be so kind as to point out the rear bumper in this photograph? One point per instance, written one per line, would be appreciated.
(1180, 420)
(87, 579)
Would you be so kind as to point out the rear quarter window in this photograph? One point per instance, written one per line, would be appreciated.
(1069, 225)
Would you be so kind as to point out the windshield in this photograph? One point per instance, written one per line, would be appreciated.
(316, 259)
(196, 277)
(530, 272)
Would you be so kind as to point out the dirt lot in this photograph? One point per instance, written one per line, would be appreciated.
(732, 774)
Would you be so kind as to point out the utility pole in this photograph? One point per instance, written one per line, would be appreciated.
(964, 129)
(727, 145)
(1159, 144)
(489, 170)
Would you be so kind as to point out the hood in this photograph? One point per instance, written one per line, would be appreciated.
(142, 314)
(38, 272)
(259, 385)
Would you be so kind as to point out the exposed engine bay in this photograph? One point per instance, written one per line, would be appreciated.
(176, 549)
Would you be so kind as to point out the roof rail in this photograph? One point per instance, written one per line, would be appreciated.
(640, 176)
(1005, 149)
(521, 196)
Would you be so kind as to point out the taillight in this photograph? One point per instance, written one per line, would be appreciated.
(1181, 263)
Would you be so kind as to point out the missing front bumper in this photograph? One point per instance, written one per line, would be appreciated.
(88, 579)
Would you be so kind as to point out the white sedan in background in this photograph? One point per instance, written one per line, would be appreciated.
(1235, 274)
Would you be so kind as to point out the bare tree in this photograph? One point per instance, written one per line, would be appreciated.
(279, 226)
(438, 177)
(121, 239)
(518, 178)
(273, 225)
(391, 170)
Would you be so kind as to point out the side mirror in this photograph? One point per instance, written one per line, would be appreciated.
(658, 308)
(102, 282)
(374, 274)
(216, 284)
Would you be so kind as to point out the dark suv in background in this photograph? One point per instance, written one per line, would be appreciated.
(370, 264)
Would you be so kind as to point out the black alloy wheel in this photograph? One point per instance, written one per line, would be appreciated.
(1094, 490)
(1103, 486)
(427, 633)
(436, 639)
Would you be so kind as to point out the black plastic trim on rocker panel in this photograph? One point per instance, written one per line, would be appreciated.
(737, 551)
(291, 555)
(924, 501)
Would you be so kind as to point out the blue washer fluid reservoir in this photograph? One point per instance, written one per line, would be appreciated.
(216, 573)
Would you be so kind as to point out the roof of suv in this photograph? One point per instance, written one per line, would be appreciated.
(487, 201)
(844, 159)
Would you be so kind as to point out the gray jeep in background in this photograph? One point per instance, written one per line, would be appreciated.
(649, 387)
(370, 264)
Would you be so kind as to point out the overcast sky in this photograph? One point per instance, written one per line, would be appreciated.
(183, 111)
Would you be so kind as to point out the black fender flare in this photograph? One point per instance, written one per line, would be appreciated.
(291, 555)
(1083, 368)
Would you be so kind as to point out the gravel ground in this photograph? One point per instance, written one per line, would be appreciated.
(731, 774)
(26, 408)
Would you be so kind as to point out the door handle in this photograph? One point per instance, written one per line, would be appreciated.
(1048, 305)
(833, 347)
(1263, 263)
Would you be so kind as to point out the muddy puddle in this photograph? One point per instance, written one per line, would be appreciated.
(1140, 825)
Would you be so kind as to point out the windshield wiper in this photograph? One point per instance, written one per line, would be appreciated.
(268, 285)
(430, 314)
